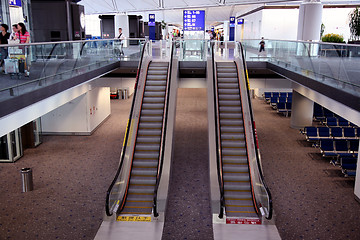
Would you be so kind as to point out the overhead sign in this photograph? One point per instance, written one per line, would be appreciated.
(15, 3)
(232, 21)
(194, 20)
(240, 21)
(151, 20)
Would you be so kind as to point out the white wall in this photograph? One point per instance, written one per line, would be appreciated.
(261, 85)
(92, 25)
(282, 23)
(119, 83)
(80, 116)
(122, 21)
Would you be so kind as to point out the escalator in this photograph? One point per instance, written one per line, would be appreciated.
(141, 188)
(134, 190)
(237, 186)
(244, 197)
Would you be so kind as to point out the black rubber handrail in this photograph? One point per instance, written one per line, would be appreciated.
(270, 210)
(218, 157)
(163, 135)
(107, 207)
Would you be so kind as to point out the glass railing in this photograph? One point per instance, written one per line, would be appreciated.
(332, 64)
(29, 67)
(192, 49)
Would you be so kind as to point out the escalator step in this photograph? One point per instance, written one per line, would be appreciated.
(147, 172)
(233, 144)
(231, 116)
(241, 195)
(145, 164)
(151, 119)
(234, 160)
(143, 180)
(233, 122)
(148, 155)
(154, 94)
(232, 129)
(223, 91)
(138, 203)
(233, 152)
(227, 75)
(230, 103)
(147, 147)
(228, 86)
(148, 132)
(236, 177)
(157, 72)
(151, 125)
(152, 140)
(153, 100)
(230, 109)
(156, 81)
(155, 88)
(152, 112)
(229, 96)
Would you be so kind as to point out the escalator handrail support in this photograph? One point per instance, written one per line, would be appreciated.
(218, 150)
(261, 176)
(107, 208)
(163, 134)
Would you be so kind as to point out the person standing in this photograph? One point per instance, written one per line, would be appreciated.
(121, 37)
(4, 37)
(23, 35)
(14, 32)
(262, 45)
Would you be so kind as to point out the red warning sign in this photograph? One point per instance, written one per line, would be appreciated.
(252, 221)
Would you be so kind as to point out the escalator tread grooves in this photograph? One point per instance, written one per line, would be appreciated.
(147, 142)
(230, 110)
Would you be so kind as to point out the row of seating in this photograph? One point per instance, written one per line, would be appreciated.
(343, 153)
(320, 112)
(268, 95)
(339, 147)
(280, 101)
(336, 121)
(314, 134)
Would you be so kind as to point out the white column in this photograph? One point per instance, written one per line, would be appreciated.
(226, 30)
(301, 111)
(310, 19)
(357, 178)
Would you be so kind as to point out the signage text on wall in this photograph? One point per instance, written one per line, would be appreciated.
(194, 20)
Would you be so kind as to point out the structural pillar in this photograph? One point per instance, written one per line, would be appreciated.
(301, 111)
(357, 179)
(310, 19)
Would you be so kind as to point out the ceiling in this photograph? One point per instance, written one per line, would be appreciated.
(171, 11)
(127, 6)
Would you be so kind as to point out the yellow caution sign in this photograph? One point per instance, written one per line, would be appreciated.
(133, 219)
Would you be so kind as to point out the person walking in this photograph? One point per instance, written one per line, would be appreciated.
(4, 39)
(262, 45)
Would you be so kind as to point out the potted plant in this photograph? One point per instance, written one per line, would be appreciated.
(354, 24)
(333, 50)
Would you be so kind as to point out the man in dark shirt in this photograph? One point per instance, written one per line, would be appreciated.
(262, 45)
(4, 37)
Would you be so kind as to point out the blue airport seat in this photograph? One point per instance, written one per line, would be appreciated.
(280, 106)
(342, 148)
(336, 132)
(354, 145)
(283, 94)
(328, 113)
(275, 94)
(324, 132)
(331, 121)
(289, 94)
(349, 132)
(267, 95)
(327, 148)
(311, 133)
(343, 122)
(288, 106)
(357, 132)
(282, 99)
(289, 99)
(273, 101)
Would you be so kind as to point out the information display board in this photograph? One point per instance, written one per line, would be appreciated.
(151, 20)
(240, 21)
(15, 3)
(194, 20)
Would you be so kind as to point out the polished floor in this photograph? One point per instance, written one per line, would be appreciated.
(312, 199)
